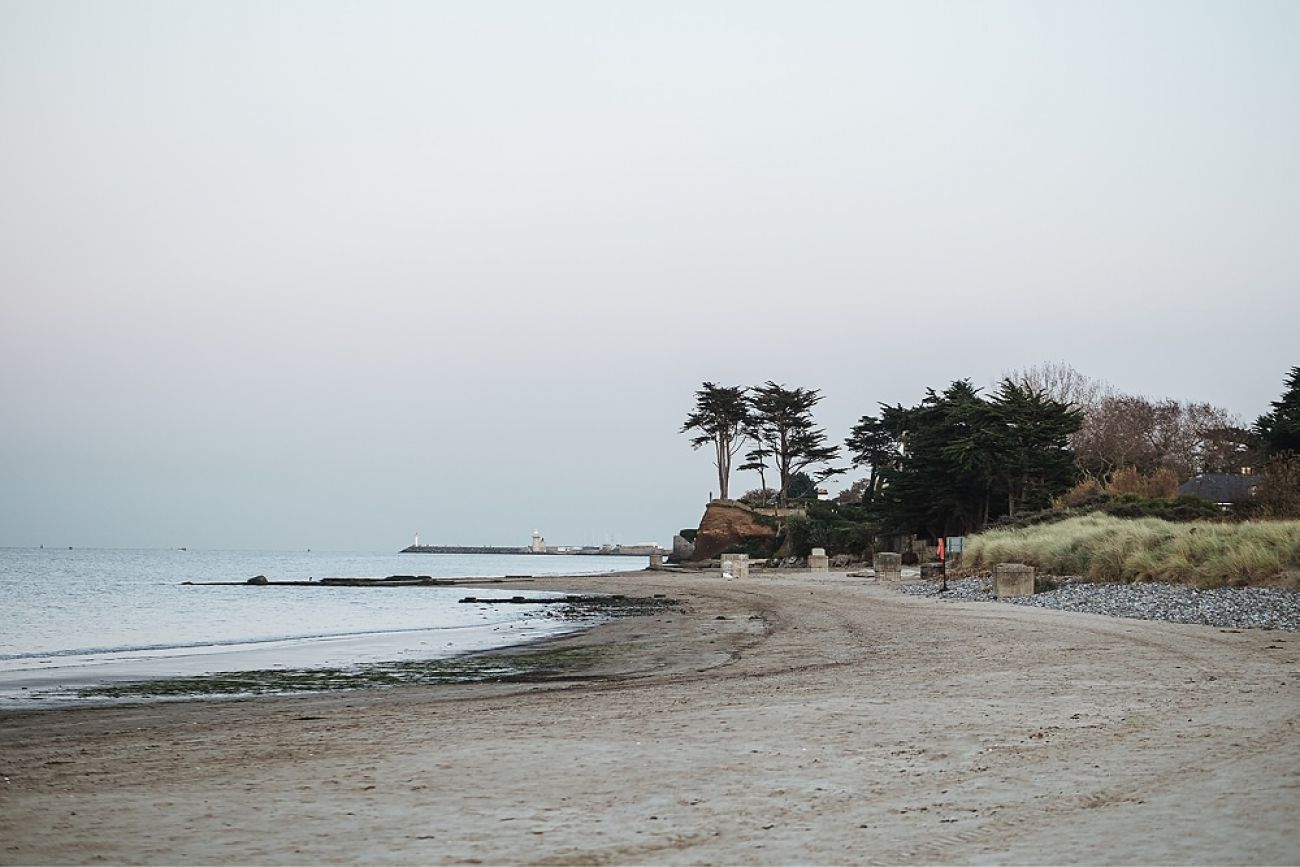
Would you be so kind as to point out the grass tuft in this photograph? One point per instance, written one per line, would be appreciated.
(1105, 548)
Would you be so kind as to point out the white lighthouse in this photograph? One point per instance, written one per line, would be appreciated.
(537, 545)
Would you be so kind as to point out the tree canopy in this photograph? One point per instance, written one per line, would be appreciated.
(782, 422)
(964, 459)
(871, 445)
(721, 417)
(960, 460)
(1279, 430)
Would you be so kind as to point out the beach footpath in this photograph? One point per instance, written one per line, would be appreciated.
(777, 719)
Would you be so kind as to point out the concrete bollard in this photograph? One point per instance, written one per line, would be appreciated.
(656, 561)
(735, 565)
(888, 566)
(818, 561)
(1013, 579)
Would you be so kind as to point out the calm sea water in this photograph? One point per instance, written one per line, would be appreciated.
(69, 617)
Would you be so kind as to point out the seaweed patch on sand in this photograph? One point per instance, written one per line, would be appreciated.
(521, 666)
(555, 664)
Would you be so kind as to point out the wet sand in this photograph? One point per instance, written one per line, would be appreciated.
(823, 720)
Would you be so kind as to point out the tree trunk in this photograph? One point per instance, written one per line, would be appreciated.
(724, 467)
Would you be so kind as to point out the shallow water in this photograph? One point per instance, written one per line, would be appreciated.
(74, 617)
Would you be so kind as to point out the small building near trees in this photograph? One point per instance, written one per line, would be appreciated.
(1222, 489)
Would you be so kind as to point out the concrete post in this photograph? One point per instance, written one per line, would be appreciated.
(888, 566)
(735, 565)
(656, 561)
(1013, 579)
(818, 561)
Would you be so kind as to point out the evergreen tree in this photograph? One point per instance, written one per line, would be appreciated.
(782, 423)
(932, 489)
(870, 444)
(756, 459)
(721, 417)
(1279, 430)
(965, 460)
(802, 487)
(1019, 441)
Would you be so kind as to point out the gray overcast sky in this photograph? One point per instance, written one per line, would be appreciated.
(322, 274)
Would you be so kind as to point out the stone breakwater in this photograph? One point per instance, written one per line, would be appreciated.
(1226, 607)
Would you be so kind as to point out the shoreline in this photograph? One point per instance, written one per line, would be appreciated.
(824, 720)
(91, 677)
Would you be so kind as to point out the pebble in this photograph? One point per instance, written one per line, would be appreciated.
(1225, 607)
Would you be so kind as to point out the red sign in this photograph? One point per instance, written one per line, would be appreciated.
(941, 548)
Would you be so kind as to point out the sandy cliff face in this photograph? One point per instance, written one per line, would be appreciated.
(727, 523)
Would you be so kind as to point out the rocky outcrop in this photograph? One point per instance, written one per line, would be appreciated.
(729, 525)
(682, 549)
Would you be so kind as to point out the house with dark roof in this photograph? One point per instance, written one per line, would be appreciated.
(1221, 488)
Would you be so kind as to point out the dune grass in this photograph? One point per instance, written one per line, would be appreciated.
(1105, 548)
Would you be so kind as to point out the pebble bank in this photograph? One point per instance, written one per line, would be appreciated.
(1226, 607)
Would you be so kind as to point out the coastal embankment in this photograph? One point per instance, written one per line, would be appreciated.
(777, 719)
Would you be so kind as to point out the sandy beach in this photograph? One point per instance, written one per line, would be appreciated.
(774, 720)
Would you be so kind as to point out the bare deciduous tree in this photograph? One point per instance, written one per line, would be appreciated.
(1062, 383)
(1133, 431)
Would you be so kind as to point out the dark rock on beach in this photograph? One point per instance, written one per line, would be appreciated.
(580, 607)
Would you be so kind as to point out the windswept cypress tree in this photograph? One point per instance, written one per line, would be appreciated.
(782, 422)
(721, 418)
(870, 444)
(756, 460)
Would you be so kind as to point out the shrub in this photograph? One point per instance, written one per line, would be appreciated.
(1086, 490)
(759, 497)
(838, 529)
(1184, 508)
(1278, 493)
(1163, 483)
(757, 548)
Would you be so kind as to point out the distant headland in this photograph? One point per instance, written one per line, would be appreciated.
(537, 545)
(606, 550)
